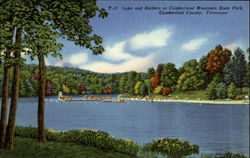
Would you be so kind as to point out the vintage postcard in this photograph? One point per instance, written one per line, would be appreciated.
(124, 79)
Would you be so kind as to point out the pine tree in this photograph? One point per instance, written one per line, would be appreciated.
(235, 70)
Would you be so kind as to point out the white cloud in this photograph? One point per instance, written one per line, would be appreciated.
(121, 54)
(136, 63)
(116, 52)
(79, 58)
(233, 46)
(75, 60)
(194, 44)
(155, 38)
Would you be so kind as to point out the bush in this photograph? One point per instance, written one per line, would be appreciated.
(239, 97)
(232, 91)
(211, 91)
(98, 139)
(166, 91)
(172, 147)
(221, 90)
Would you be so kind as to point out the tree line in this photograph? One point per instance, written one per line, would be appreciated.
(221, 73)
(33, 28)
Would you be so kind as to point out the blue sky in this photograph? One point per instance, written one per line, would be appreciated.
(138, 40)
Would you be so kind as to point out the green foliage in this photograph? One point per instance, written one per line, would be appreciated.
(148, 86)
(221, 90)
(217, 88)
(143, 90)
(232, 91)
(235, 69)
(211, 90)
(122, 84)
(98, 139)
(137, 87)
(150, 73)
(66, 90)
(30, 148)
(192, 77)
(169, 75)
(131, 82)
(158, 90)
(172, 147)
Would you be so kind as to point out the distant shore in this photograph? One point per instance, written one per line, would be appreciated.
(193, 101)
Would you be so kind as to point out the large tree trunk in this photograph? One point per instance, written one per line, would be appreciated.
(14, 95)
(41, 137)
(5, 98)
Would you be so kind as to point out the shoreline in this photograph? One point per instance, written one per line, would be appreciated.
(245, 102)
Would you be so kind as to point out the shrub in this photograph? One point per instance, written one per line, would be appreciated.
(239, 97)
(232, 91)
(166, 91)
(211, 91)
(221, 90)
(158, 90)
(172, 147)
(98, 139)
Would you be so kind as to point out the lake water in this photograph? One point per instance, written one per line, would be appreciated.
(215, 128)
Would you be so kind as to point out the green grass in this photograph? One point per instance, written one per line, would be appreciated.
(191, 95)
(245, 91)
(201, 94)
(30, 148)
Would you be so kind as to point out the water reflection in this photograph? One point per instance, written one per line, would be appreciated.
(215, 128)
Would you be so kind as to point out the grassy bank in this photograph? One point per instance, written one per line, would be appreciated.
(198, 96)
(94, 144)
(30, 148)
(201, 94)
(191, 95)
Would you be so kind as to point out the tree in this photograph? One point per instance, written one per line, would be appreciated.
(221, 90)
(232, 91)
(211, 90)
(217, 59)
(151, 72)
(6, 48)
(158, 90)
(14, 93)
(68, 19)
(147, 86)
(247, 75)
(82, 88)
(203, 72)
(235, 69)
(143, 90)
(154, 82)
(138, 87)
(192, 77)
(42, 41)
(169, 75)
(49, 87)
(166, 91)
(138, 77)
(5, 81)
(131, 82)
(107, 90)
(65, 89)
(122, 83)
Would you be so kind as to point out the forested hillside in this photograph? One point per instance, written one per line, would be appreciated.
(219, 72)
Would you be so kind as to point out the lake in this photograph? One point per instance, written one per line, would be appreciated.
(215, 128)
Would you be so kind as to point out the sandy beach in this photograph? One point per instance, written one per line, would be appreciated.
(194, 101)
